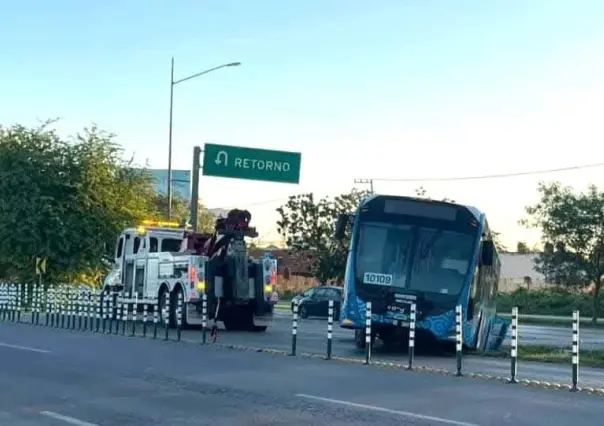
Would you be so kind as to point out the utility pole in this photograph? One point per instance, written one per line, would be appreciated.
(195, 187)
(365, 182)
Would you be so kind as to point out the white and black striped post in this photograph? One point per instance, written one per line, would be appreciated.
(458, 339)
(80, 309)
(204, 318)
(411, 344)
(39, 299)
(134, 314)
(329, 329)
(3, 301)
(125, 310)
(145, 310)
(179, 316)
(19, 303)
(110, 311)
(119, 307)
(575, 349)
(71, 309)
(294, 328)
(155, 316)
(514, 347)
(48, 306)
(91, 309)
(33, 304)
(99, 310)
(368, 333)
(166, 316)
(26, 303)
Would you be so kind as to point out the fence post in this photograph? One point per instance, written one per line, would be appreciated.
(125, 310)
(19, 303)
(294, 329)
(145, 309)
(155, 316)
(368, 333)
(514, 347)
(411, 350)
(575, 350)
(166, 311)
(458, 339)
(134, 314)
(329, 329)
(204, 318)
(179, 316)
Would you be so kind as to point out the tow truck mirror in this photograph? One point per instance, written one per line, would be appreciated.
(488, 253)
(341, 224)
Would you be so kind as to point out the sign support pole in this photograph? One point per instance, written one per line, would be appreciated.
(195, 187)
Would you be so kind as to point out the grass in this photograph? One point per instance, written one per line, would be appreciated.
(587, 358)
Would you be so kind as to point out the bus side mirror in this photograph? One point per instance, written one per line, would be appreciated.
(488, 253)
(341, 224)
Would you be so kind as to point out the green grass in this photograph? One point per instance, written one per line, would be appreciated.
(590, 358)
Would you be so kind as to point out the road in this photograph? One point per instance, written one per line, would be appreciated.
(56, 377)
(542, 335)
(312, 339)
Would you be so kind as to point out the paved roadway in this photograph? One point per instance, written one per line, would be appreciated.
(542, 335)
(312, 339)
(57, 377)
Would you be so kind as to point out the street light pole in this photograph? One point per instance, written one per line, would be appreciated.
(172, 84)
(170, 141)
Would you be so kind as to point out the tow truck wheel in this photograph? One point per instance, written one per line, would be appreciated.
(162, 301)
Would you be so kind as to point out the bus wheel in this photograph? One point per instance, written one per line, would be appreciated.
(359, 338)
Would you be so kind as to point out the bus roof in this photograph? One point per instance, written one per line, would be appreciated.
(479, 215)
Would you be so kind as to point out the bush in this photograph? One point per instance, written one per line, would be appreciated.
(546, 302)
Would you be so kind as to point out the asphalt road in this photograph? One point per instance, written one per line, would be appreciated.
(57, 377)
(312, 338)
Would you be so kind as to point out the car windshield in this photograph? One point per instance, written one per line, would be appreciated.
(413, 257)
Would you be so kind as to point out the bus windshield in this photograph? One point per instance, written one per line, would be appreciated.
(413, 257)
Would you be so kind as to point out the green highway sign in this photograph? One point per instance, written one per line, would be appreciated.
(251, 163)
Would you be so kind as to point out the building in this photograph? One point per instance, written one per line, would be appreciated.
(181, 182)
(518, 271)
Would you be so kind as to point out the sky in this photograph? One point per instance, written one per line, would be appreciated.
(389, 89)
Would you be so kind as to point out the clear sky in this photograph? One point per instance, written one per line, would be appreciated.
(380, 89)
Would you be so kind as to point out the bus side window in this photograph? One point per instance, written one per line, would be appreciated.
(153, 245)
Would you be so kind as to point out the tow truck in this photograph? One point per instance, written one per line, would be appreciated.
(160, 262)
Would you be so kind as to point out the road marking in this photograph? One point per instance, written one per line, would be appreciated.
(387, 410)
(24, 348)
(66, 419)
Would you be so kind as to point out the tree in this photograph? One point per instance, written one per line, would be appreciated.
(65, 201)
(496, 236)
(522, 247)
(181, 212)
(307, 225)
(572, 230)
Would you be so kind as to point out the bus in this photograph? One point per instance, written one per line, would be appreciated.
(434, 254)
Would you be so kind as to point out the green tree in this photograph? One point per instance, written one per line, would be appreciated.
(307, 225)
(181, 212)
(572, 230)
(522, 247)
(65, 201)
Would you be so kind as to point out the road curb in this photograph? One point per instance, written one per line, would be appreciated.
(418, 368)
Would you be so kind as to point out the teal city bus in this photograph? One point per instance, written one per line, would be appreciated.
(433, 254)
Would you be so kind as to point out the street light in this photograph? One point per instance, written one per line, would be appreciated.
(172, 84)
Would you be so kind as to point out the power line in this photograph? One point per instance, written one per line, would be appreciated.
(495, 176)
(445, 179)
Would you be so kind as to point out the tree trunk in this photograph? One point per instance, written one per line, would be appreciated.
(596, 301)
